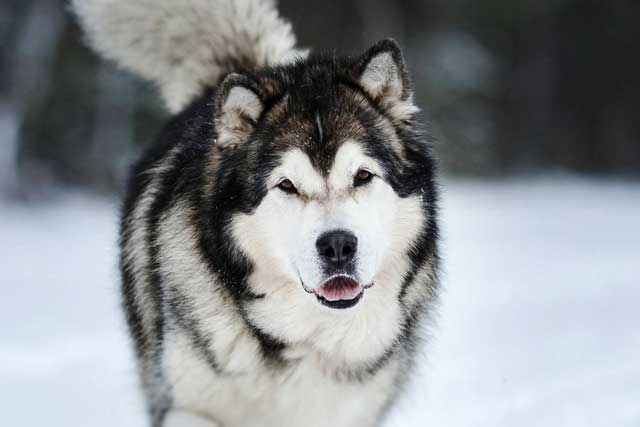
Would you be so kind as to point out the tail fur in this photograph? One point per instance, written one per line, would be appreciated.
(185, 45)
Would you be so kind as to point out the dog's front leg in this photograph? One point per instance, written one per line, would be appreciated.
(179, 418)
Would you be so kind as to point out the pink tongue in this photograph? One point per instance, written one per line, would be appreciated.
(340, 288)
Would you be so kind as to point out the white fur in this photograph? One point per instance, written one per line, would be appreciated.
(296, 166)
(280, 235)
(302, 395)
(248, 393)
(185, 45)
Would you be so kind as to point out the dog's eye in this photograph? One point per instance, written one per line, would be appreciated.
(287, 186)
(362, 177)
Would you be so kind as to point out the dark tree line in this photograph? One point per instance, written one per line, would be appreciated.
(507, 86)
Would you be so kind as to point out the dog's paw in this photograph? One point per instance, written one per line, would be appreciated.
(177, 418)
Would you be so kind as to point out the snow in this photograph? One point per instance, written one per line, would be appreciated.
(538, 323)
(64, 358)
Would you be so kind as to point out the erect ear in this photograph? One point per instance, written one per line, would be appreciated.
(238, 108)
(382, 73)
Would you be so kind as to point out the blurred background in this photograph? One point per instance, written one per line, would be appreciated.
(535, 105)
(509, 87)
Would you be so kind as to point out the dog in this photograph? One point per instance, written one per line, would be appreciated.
(279, 242)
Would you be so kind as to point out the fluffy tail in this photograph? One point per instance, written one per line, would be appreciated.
(185, 45)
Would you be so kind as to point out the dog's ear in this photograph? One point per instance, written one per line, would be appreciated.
(382, 73)
(238, 108)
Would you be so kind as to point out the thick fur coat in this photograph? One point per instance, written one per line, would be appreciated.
(279, 240)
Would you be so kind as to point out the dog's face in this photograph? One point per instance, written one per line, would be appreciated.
(328, 231)
(339, 222)
(338, 190)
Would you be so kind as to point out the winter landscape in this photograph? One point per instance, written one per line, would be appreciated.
(537, 326)
(538, 322)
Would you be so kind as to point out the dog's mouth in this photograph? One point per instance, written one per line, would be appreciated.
(340, 292)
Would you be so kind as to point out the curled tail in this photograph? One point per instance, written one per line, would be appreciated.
(186, 45)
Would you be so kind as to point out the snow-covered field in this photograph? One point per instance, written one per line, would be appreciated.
(539, 323)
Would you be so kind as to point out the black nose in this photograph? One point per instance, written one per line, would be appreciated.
(337, 247)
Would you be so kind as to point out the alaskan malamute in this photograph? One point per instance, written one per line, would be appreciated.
(279, 241)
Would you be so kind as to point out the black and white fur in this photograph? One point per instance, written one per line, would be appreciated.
(269, 151)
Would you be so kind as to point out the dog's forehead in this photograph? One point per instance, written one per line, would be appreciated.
(318, 126)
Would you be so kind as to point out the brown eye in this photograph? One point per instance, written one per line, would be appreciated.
(362, 177)
(287, 186)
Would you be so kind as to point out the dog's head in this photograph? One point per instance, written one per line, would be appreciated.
(334, 191)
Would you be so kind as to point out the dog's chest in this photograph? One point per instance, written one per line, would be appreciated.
(259, 396)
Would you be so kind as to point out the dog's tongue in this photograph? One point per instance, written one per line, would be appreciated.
(339, 288)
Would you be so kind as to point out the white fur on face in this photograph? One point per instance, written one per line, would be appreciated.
(284, 229)
(280, 236)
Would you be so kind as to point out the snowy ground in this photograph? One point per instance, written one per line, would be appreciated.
(538, 326)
